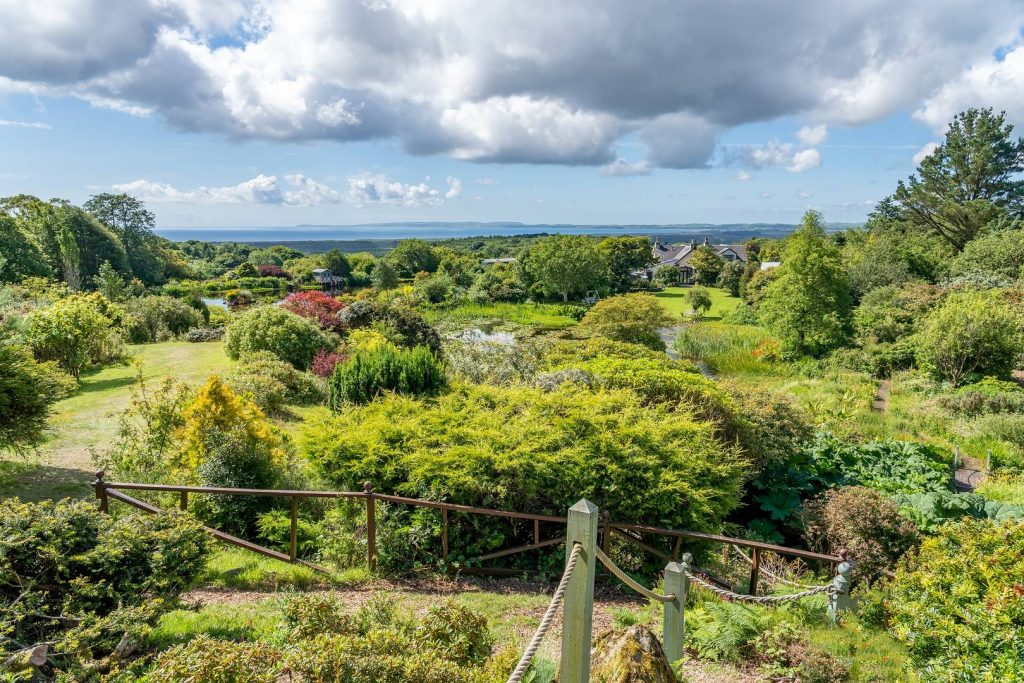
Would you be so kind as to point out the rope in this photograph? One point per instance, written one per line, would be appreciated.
(545, 621)
(759, 599)
(628, 580)
(770, 574)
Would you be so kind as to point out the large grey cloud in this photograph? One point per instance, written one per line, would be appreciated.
(512, 80)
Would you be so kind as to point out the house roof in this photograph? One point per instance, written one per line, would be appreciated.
(678, 255)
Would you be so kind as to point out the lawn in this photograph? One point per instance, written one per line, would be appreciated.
(88, 420)
(536, 315)
(675, 302)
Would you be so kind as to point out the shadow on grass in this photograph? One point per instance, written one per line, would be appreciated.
(33, 481)
(89, 387)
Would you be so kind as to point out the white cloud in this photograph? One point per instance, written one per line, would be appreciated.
(803, 195)
(379, 191)
(804, 160)
(25, 124)
(621, 167)
(522, 82)
(484, 181)
(926, 151)
(743, 176)
(812, 135)
(263, 189)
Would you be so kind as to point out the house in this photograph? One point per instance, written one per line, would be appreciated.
(679, 256)
(327, 280)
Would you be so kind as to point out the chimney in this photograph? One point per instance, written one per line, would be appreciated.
(693, 244)
(705, 240)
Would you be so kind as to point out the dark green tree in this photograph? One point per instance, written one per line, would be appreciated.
(414, 256)
(566, 265)
(128, 217)
(730, 276)
(19, 256)
(337, 263)
(968, 180)
(625, 255)
(707, 264)
(384, 276)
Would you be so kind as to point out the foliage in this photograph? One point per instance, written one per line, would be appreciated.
(384, 276)
(491, 362)
(931, 510)
(863, 522)
(986, 396)
(499, 282)
(203, 334)
(27, 390)
(890, 314)
(700, 301)
(632, 318)
(522, 449)
(807, 306)
(74, 577)
(666, 275)
(19, 256)
(999, 253)
(707, 265)
(1003, 489)
(218, 661)
(70, 332)
(957, 603)
(414, 372)
(967, 179)
(271, 383)
(414, 256)
(723, 346)
(772, 426)
(567, 265)
(624, 255)
(730, 276)
(158, 318)
(325, 361)
(288, 336)
(598, 348)
(399, 323)
(970, 332)
(317, 306)
(271, 270)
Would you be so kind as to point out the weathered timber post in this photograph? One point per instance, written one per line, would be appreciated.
(755, 569)
(677, 584)
(183, 501)
(371, 527)
(293, 536)
(101, 491)
(606, 532)
(444, 534)
(988, 461)
(839, 600)
(956, 463)
(578, 609)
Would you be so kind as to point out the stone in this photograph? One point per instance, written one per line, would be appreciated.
(631, 655)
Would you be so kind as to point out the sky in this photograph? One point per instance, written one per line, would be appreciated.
(222, 113)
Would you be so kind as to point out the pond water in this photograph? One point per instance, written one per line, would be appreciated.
(218, 303)
(477, 335)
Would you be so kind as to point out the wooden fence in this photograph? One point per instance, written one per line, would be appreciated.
(636, 534)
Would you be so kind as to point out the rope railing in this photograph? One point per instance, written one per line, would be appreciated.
(629, 581)
(767, 572)
(759, 599)
(545, 623)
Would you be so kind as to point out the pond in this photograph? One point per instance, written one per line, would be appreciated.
(477, 335)
(217, 303)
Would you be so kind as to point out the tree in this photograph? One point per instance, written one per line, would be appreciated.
(970, 332)
(634, 318)
(269, 328)
(19, 256)
(414, 256)
(625, 255)
(337, 263)
(70, 259)
(666, 275)
(110, 284)
(68, 332)
(706, 264)
(384, 276)
(968, 179)
(700, 301)
(566, 265)
(999, 253)
(134, 224)
(730, 276)
(807, 304)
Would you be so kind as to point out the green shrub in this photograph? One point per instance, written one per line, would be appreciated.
(565, 353)
(270, 383)
(931, 510)
(414, 372)
(1003, 488)
(406, 327)
(864, 523)
(990, 395)
(199, 335)
(27, 390)
(71, 331)
(523, 449)
(957, 602)
(268, 328)
(217, 661)
(632, 318)
(458, 631)
(73, 576)
(157, 318)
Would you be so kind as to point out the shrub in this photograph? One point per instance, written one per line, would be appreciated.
(772, 426)
(409, 328)
(970, 332)
(523, 449)
(931, 510)
(157, 318)
(27, 390)
(289, 337)
(81, 580)
(218, 661)
(700, 301)
(666, 276)
(990, 395)
(957, 602)
(69, 332)
(413, 372)
(999, 253)
(200, 335)
(633, 318)
(317, 306)
(271, 383)
(889, 314)
(325, 361)
(863, 522)
(271, 270)
(597, 348)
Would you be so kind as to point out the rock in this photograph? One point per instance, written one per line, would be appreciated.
(631, 655)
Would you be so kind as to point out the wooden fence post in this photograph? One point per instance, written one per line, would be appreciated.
(578, 609)
(676, 584)
(293, 536)
(755, 569)
(371, 527)
(101, 491)
(988, 461)
(183, 501)
(839, 601)
(956, 463)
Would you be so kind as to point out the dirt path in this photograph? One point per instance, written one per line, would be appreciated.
(969, 475)
(881, 401)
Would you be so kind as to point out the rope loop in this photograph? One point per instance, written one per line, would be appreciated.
(628, 580)
(759, 599)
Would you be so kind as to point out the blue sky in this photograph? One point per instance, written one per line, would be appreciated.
(392, 111)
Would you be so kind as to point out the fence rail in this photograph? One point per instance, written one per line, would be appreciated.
(606, 528)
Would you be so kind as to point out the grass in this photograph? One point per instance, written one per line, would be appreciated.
(873, 654)
(1005, 488)
(239, 569)
(88, 420)
(535, 315)
(675, 301)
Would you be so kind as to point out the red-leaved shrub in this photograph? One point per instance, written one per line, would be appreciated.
(325, 361)
(316, 306)
(273, 271)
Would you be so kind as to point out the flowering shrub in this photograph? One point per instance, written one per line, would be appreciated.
(316, 306)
